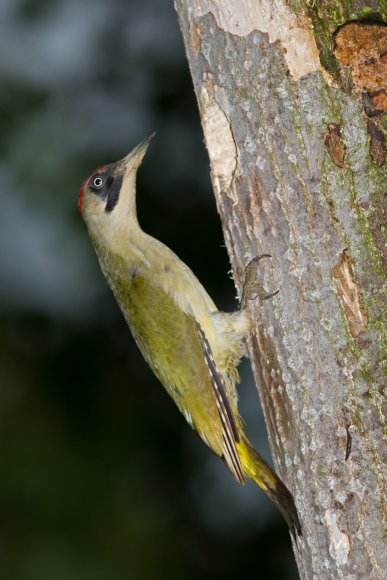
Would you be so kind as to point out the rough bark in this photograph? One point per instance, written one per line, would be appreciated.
(290, 132)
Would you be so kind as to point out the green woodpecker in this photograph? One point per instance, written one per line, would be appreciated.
(192, 348)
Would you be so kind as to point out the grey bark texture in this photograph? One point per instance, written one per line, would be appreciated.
(295, 176)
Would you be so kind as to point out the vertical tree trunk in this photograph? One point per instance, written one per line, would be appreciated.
(293, 121)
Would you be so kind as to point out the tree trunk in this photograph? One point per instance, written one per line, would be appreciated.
(293, 121)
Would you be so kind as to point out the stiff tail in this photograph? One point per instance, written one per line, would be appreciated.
(258, 470)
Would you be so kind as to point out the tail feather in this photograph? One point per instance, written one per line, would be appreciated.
(258, 470)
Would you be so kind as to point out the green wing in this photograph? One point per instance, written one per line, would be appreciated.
(177, 351)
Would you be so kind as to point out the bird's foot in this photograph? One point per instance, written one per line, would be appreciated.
(251, 288)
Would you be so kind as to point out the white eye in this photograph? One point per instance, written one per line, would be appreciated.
(97, 182)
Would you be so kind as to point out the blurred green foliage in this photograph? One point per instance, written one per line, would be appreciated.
(100, 477)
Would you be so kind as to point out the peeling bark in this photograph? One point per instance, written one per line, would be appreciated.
(282, 187)
(363, 47)
(335, 144)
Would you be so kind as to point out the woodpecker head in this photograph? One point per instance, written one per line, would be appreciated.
(109, 192)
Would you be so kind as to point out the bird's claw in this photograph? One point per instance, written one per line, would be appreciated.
(251, 288)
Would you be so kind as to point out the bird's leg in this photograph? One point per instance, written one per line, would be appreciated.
(251, 288)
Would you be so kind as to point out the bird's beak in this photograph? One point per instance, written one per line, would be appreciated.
(134, 158)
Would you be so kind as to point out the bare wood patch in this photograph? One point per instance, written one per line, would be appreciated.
(219, 139)
(279, 22)
(349, 295)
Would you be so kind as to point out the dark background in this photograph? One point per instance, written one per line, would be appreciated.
(100, 477)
